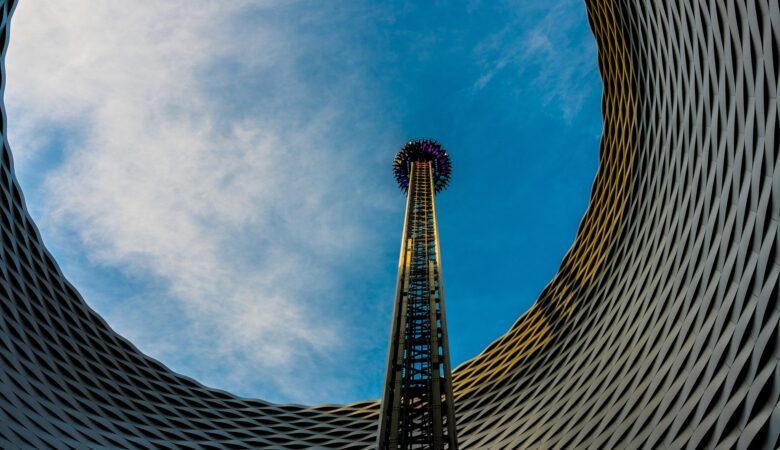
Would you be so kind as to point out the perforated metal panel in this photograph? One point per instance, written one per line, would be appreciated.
(660, 329)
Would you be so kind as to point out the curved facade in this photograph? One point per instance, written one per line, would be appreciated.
(660, 329)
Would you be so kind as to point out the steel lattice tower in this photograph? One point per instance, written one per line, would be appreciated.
(417, 405)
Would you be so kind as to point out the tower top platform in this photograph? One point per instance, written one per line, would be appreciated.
(423, 150)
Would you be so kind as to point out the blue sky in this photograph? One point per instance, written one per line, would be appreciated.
(214, 177)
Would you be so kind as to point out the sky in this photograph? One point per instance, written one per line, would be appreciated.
(215, 176)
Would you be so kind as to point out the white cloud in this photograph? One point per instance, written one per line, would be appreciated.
(156, 180)
(559, 61)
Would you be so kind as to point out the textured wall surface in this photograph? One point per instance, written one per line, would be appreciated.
(660, 329)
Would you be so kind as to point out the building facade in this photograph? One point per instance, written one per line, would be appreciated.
(659, 330)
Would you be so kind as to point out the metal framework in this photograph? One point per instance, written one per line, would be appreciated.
(417, 405)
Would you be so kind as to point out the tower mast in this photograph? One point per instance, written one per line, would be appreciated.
(417, 404)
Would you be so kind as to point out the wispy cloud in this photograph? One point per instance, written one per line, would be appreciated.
(171, 172)
(559, 61)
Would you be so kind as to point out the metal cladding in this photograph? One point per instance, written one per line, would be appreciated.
(417, 402)
(659, 330)
(423, 150)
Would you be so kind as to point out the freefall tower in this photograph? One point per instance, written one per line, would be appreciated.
(417, 405)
